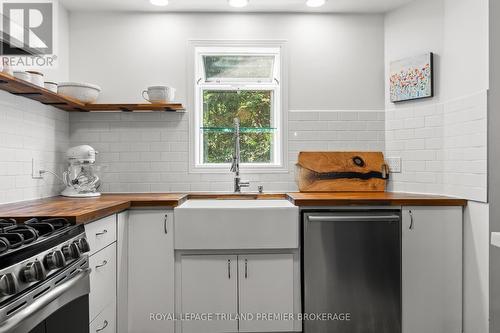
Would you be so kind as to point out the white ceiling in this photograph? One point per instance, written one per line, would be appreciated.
(332, 6)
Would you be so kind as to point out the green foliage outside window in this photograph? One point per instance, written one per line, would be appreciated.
(253, 108)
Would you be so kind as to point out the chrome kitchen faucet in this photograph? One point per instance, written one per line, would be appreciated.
(235, 167)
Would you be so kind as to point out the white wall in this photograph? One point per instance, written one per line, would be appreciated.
(443, 140)
(415, 29)
(465, 48)
(61, 72)
(335, 61)
(29, 129)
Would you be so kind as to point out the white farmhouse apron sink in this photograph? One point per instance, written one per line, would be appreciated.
(236, 224)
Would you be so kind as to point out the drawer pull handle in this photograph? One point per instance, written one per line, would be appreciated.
(165, 221)
(101, 233)
(246, 268)
(105, 324)
(229, 269)
(411, 220)
(104, 263)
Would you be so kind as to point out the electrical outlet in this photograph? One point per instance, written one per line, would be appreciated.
(36, 167)
(394, 164)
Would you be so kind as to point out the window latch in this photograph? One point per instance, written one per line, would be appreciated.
(277, 81)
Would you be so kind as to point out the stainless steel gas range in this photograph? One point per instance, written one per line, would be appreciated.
(44, 276)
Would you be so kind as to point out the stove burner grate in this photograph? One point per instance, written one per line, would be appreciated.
(13, 235)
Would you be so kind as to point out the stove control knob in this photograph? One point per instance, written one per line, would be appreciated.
(8, 284)
(83, 245)
(71, 251)
(33, 271)
(54, 260)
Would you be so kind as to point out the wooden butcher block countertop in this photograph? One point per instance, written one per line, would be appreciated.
(84, 210)
(372, 198)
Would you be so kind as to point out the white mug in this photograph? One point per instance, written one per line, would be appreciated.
(159, 94)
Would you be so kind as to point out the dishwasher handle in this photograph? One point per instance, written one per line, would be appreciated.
(353, 218)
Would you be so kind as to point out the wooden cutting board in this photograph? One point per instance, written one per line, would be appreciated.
(342, 172)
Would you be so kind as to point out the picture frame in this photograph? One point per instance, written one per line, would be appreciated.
(412, 78)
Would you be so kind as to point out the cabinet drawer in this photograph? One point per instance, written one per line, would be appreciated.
(101, 233)
(105, 321)
(102, 280)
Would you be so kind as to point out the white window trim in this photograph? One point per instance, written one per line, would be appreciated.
(281, 98)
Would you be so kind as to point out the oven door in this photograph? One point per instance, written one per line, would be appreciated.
(56, 306)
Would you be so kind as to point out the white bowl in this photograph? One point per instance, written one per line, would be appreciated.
(84, 92)
(25, 76)
(36, 78)
(52, 86)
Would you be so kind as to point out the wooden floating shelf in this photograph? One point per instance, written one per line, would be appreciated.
(133, 107)
(26, 89)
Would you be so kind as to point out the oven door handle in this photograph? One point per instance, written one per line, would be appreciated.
(43, 301)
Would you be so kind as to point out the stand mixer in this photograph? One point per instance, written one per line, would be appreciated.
(81, 178)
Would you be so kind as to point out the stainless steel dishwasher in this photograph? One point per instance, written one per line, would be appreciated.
(351, 271)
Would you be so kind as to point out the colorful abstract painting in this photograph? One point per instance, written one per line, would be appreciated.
(411, 78)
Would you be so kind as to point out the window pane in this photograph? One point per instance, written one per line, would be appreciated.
(253, 108)
(255, 147)
(235, 67)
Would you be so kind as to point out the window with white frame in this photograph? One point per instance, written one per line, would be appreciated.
(238, 82)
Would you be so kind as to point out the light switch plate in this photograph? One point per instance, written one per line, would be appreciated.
(36, 167)
(394, 164)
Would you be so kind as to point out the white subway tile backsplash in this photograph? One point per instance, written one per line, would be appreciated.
(375, 126)
(130, 157)
(308, 125)
(433, 143)
(150, 156)
(448, 154)
(403, 134)
(30, 130)
(415, 144)
(413, 166)
(174, 136)
(433, 121)
(414, 122)
(428, 132)
(348, 115)
(174, 156)
(368, 116)
(160, 146)
(157, 144)
(367, 135)
(301, 116)
(330, 116)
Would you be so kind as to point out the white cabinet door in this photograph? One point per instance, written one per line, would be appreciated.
(266, 285)
(151, 270)
(105, 321)
(102, 280)
(432, 269)
(209, 286)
